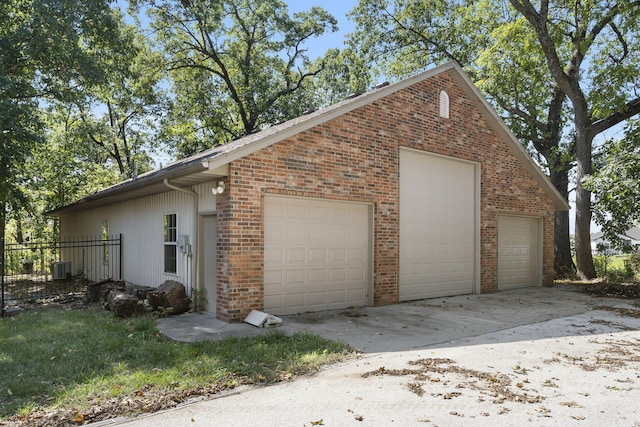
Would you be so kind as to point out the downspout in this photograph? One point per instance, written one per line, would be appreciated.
(196, 230)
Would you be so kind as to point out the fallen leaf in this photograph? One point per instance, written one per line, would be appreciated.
(79, 418)
(317, 423)
(543, 410)
(452, 395)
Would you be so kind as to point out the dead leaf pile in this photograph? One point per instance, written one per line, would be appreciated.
(613, 290)
(612, 356)
(146, 399)
(625, 312)
(496, 385)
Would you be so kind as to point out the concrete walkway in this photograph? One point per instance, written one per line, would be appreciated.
(403, 326)
(536, 357)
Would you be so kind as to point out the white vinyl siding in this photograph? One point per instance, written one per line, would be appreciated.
(206, 199)
(140, 222)
(438, 213)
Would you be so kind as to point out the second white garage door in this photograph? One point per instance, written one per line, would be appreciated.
(316, 254)
(437, 226)
(518, 252)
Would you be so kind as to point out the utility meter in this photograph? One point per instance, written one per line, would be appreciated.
(183, 243)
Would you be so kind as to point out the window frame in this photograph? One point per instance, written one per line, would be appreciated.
(170, 243)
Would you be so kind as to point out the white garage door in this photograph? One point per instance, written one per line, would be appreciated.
(437, 226)
(518, 249)
(316, 254)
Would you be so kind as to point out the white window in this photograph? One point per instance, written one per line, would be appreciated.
(170, 247)
(444, 105)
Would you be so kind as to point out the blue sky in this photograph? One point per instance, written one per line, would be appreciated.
(318, 46)
(339, 9)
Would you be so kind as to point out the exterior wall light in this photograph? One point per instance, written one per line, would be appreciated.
(219, 189)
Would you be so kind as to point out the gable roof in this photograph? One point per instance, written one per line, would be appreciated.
(212, 163)
(633, 233)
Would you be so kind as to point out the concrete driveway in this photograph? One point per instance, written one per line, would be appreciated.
(538, 356)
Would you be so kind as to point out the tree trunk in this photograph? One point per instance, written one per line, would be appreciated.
(171, 296)
(584, 260)
(563, 262)
(19, 233)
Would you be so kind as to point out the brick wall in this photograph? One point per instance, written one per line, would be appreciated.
(355, 158)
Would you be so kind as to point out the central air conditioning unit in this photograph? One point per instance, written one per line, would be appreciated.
(61, 270)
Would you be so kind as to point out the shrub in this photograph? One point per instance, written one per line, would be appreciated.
(617, 269)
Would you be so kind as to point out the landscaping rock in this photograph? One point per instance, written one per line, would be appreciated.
(99, 290)
(171, 296)
(123, 304)
(138, 290)
(109, 285)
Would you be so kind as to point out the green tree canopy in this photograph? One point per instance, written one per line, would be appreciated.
(529, 59)
(235, 65)
(592, 51)
(343, 74)
(49, 49)
(616, 183)
(120, 114)
(499, 50)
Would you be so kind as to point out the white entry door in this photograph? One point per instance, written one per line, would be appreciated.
(437, 226)
(209, 261)
(518, 252)
(316, 254)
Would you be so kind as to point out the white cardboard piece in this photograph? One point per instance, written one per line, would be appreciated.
(261, 319)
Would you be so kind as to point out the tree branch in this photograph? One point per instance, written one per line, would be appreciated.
(623, 42)
(538, 21)
(631, 109)
(429, 42)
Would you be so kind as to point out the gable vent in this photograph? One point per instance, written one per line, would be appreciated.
(444, 105)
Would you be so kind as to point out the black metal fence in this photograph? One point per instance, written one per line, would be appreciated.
(38, 270)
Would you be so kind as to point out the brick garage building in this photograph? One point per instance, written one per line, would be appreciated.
(414, 190)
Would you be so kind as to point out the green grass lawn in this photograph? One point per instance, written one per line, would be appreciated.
(614, 268)
(616, 262)
(53, 358)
